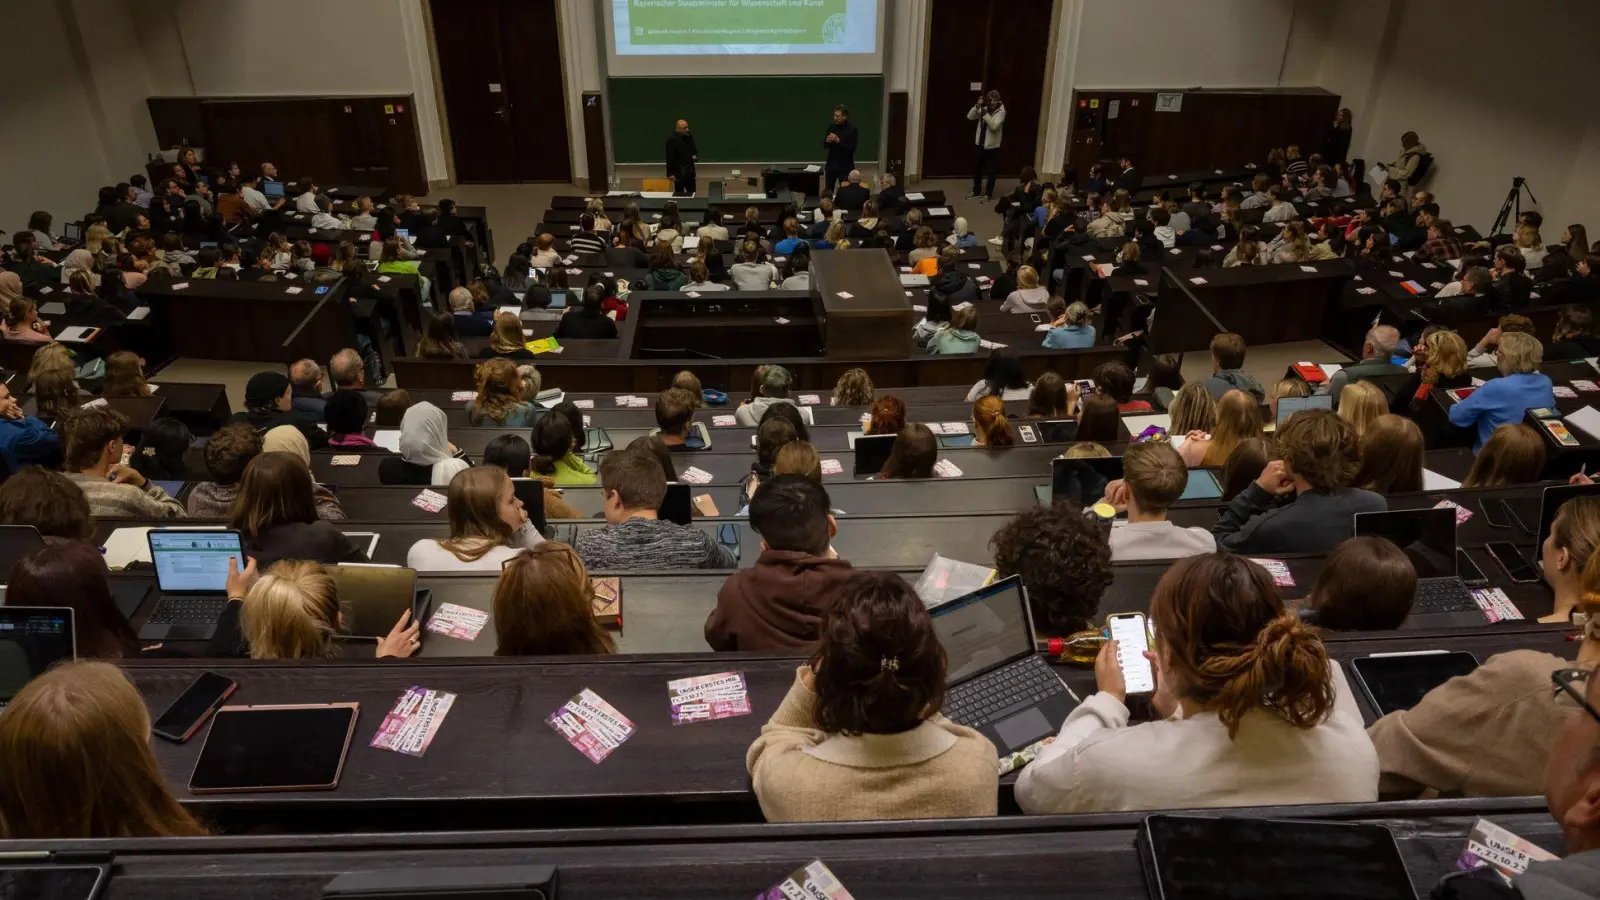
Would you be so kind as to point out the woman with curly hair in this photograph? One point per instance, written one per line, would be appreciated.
(854, 389)
(499, 399)
(860, 736)
(1065, 564)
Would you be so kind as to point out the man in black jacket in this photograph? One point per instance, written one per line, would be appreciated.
(682, 154)
(891, 199)
(840, 143)
(1473, 301)
(1130, 179)
(852, 195)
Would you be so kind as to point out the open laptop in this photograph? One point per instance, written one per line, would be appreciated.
(1288, 406)
(1550, 504)
(72, 232)
(32, 639)
(996, 681)
(272, 190)
(16, 542)
(872, 452)
(192, 577)
(1082, 481)
(372, 598)
(1428, 539)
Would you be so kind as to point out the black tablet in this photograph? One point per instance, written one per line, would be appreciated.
(275, 748)
(1197, 858)
(1083, 481)
(1393, 683)
(872, 452)
(53, 882)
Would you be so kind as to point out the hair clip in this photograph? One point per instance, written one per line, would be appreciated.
(889, 664)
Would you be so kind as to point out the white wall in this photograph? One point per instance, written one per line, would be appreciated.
(1161, 44)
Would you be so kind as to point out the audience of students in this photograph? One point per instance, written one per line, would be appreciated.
(544, 605)
(1265, 718)
(1002, 377)
(1227, 369)
(634, 536)
(73, 574)
(860, 735)
(276, 515)
(554, 452)
(292, 611)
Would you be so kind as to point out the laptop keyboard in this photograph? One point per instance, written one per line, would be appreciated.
(982, 700)
(1443, 595)
(188, 610)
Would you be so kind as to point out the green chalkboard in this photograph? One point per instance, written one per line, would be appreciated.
(755, 119)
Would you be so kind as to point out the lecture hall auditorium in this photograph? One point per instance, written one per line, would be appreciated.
(853, 448)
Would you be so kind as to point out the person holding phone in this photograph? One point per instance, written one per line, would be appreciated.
(990, 114)
(1253, 711)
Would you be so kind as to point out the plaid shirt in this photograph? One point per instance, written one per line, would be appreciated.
(1440, 248)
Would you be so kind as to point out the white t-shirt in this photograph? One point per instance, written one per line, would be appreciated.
(1158, 540)
(254, 199)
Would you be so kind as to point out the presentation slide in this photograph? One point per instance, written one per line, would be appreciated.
(679, 37)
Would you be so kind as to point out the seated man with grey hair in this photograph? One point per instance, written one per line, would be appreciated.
(349, 373)
(1377, 358)
(1505, 400)
(305, 382)
(852, 194)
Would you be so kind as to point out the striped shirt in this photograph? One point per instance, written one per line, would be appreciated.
(652, 544)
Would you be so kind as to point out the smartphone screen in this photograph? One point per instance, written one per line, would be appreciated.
(1517, 569)
(1467, 570)
(186, 714)
(1132, 640)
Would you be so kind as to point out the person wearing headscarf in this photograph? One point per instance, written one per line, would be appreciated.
(79, 260)
(268, 404)
(961, 236)
(10, 291)
(288, 439)
(423, 442)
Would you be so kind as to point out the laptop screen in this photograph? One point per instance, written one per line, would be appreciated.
(1426, 536)
(72, 232)
(1288, 406)
(1554, 497)
(32, 639)
(272, 189)
(194, 560)
(1083, 481)
(984, 629)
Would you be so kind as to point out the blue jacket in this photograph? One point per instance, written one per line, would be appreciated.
(1502, 401)
(786, 246)
(474, 324)
(26, 441)
(1069, 337)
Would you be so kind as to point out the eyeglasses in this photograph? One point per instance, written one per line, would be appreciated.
(1574, 683)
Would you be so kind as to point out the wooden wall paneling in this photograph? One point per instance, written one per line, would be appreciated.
(465, 40)
(376, 146)
(597, 151)
(530, 51)
(1019, 49)
(956, 54)
(895, 143)
(177, 120)
(292, 133)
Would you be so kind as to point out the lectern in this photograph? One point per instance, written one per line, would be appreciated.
(865, 312)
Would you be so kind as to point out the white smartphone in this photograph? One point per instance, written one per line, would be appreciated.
(1028, 434)
(1133, 639)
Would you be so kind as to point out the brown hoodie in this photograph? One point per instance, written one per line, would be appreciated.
(776, 604)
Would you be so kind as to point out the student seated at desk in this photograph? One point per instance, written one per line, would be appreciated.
(269, 403)
(888, 416)
(1438, 363)
(1064, 562)
(1002, 377)
(75, 743)
(22, 323)
(664, 273)
(346, 415)
(1227, 369)
(770, 386)
(953, 283)
(1051, 398)
(1573, 337)
(226, 455)
(1237, 419)
(1072, 331)
(1504, 400)
(934, 318)
(426, 455)
(1361, 404)
(93, 450)
(1366, 584)
(750, 270)
(499, 399)
(854, 388)
(1267, 719)
(553, 452)
(914, 454)
(675, 422)
(1513, 455)
(588, 322)
(488, 525)
(778, 603)
(159, 455)
(634, 538)
(277, 516)
(959, 335)
(470, 321)
(47, 501)
(1248, 251)
(284, 439)
(439, 340)
(700, 280)
(859, 735)
(27, 440)
(73, 574)
(511, 453)
(924, 259)
(507, 341)
(1153, 479)
(543, 606)
(1116, 380)
(1029, 295)
(1391, 455)
(989, 425)
(1303, 502)
(292, 612)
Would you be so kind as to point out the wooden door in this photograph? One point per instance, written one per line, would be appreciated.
(1019, 57)
(531, 45)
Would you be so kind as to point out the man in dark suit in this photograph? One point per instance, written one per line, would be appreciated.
(126, 213)
(433, 235)
(840, 143)
(682, 154)
(852, 194)
(891, 199)
(1130, 179)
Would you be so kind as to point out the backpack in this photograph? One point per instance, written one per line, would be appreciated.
(1424, 165)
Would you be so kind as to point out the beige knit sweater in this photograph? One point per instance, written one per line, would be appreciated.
(1485, 734)
(801, 774)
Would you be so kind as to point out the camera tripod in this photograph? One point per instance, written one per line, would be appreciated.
(1513, 199)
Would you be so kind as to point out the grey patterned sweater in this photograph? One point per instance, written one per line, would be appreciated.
(652, 544)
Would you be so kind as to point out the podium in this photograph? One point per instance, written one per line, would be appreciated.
(864, 309)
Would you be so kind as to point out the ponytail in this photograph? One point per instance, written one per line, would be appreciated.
(544, 465)
(1286, 671)
(989, 418)
(997, 433)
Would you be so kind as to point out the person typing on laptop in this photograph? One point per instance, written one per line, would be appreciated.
(1153, 479)
(859, 736)
(292, 612)
(94, 463)
(1254, 712)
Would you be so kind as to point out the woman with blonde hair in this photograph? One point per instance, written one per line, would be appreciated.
(1193, 409)
(125, 376)
(854, 388)
(834, 236)
(94, 239)
(1029, 295)
(989, 425)
(1266, 717)
(1513, 455)
(1391, 456)
(1528, 243)
(1288, 387)
(924, 257)
(1295, 246)
(1238, 419)
(544, 606)
(51, 358)
(507, 340)
(1361, 403)
(1481, 734)
(597, 208)
(292, 612)
(796, 458)
(499, 399)
(22, 322)
(75, 747)
(1440, 363)
(488, 525)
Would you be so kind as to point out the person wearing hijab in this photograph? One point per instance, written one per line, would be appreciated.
(79, 260)
(288, 439)
(10, 291)
(268, 404)
(423, 442)
(961, 237)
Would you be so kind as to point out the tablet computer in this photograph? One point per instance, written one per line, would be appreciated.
(275, 748)
(1399, 681)
(53, 882)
